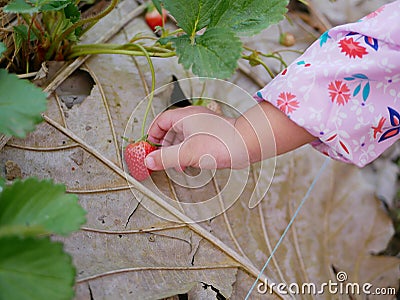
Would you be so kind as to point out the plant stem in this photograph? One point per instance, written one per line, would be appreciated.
(28, 42)
(274, 55)
(261, 62)
(118, 51)
(28, 21)
(153, 86)
(153, 49)
(142, 37)
(78, 24)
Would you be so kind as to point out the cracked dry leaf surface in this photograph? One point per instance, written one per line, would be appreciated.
(126, 251)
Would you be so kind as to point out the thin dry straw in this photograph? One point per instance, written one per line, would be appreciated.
(319, 174)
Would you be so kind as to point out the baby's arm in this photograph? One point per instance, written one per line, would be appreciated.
(342, 93)
(268, 132)
(190, 134)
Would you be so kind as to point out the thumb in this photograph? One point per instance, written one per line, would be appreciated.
(167, 157)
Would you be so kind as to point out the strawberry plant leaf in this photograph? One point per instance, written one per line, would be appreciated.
(248, 16)
(21, 35)
(72, 12)
(157, 5)
(21, 105)
(213, 54)
(191, 15)
(53, 5)
(41, 205)
(2, 48)
(50, 5)
(34, 269)
(20, 6)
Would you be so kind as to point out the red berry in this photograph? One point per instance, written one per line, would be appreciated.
(134, 155)
(153, 17)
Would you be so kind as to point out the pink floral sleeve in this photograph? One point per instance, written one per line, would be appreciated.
(345, 89)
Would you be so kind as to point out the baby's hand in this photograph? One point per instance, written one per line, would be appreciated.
(195, 136)
(198, 137)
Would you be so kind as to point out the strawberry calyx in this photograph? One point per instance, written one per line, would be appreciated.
(142, 139)
(145, 139)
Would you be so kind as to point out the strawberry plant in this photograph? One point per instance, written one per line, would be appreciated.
(46, 29)
(210, 43)
(31, 265)
(207, 40)
(136, 152)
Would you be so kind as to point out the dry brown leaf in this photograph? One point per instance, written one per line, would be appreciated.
(126, 251)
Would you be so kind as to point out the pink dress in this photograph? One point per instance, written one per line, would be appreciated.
(345, 89)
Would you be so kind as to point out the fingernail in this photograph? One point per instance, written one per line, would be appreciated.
(149, 162)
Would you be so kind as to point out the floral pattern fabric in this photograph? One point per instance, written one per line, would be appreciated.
(345, 89)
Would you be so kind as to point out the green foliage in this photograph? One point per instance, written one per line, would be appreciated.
(21, 35)
(191, 16)
(215, 52)
(32, 266)
(26, 6)
(2, 48)
(248, 17)
(21, 105)
(41, 205)
(47, 36)
(157, 5)
(20, 7)
(34, 269)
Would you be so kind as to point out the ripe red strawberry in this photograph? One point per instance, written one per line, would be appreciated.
(153, 17)
(134, 155)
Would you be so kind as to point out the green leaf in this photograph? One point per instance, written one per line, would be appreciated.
(72, 12)
(53, 5)
(213, 54)
(65, 24)
(35, 269)
(21, 105)
(41, 205)
(2, 183)
(191, 15)
(166, 40)
(157, 5)
(248, 16)
(20, 7)
(21, 35)
(2, 48)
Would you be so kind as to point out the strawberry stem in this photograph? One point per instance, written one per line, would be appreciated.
(153, 86)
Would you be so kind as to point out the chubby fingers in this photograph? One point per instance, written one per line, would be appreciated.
(170, 122)
(166, 122)
(168, 157)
